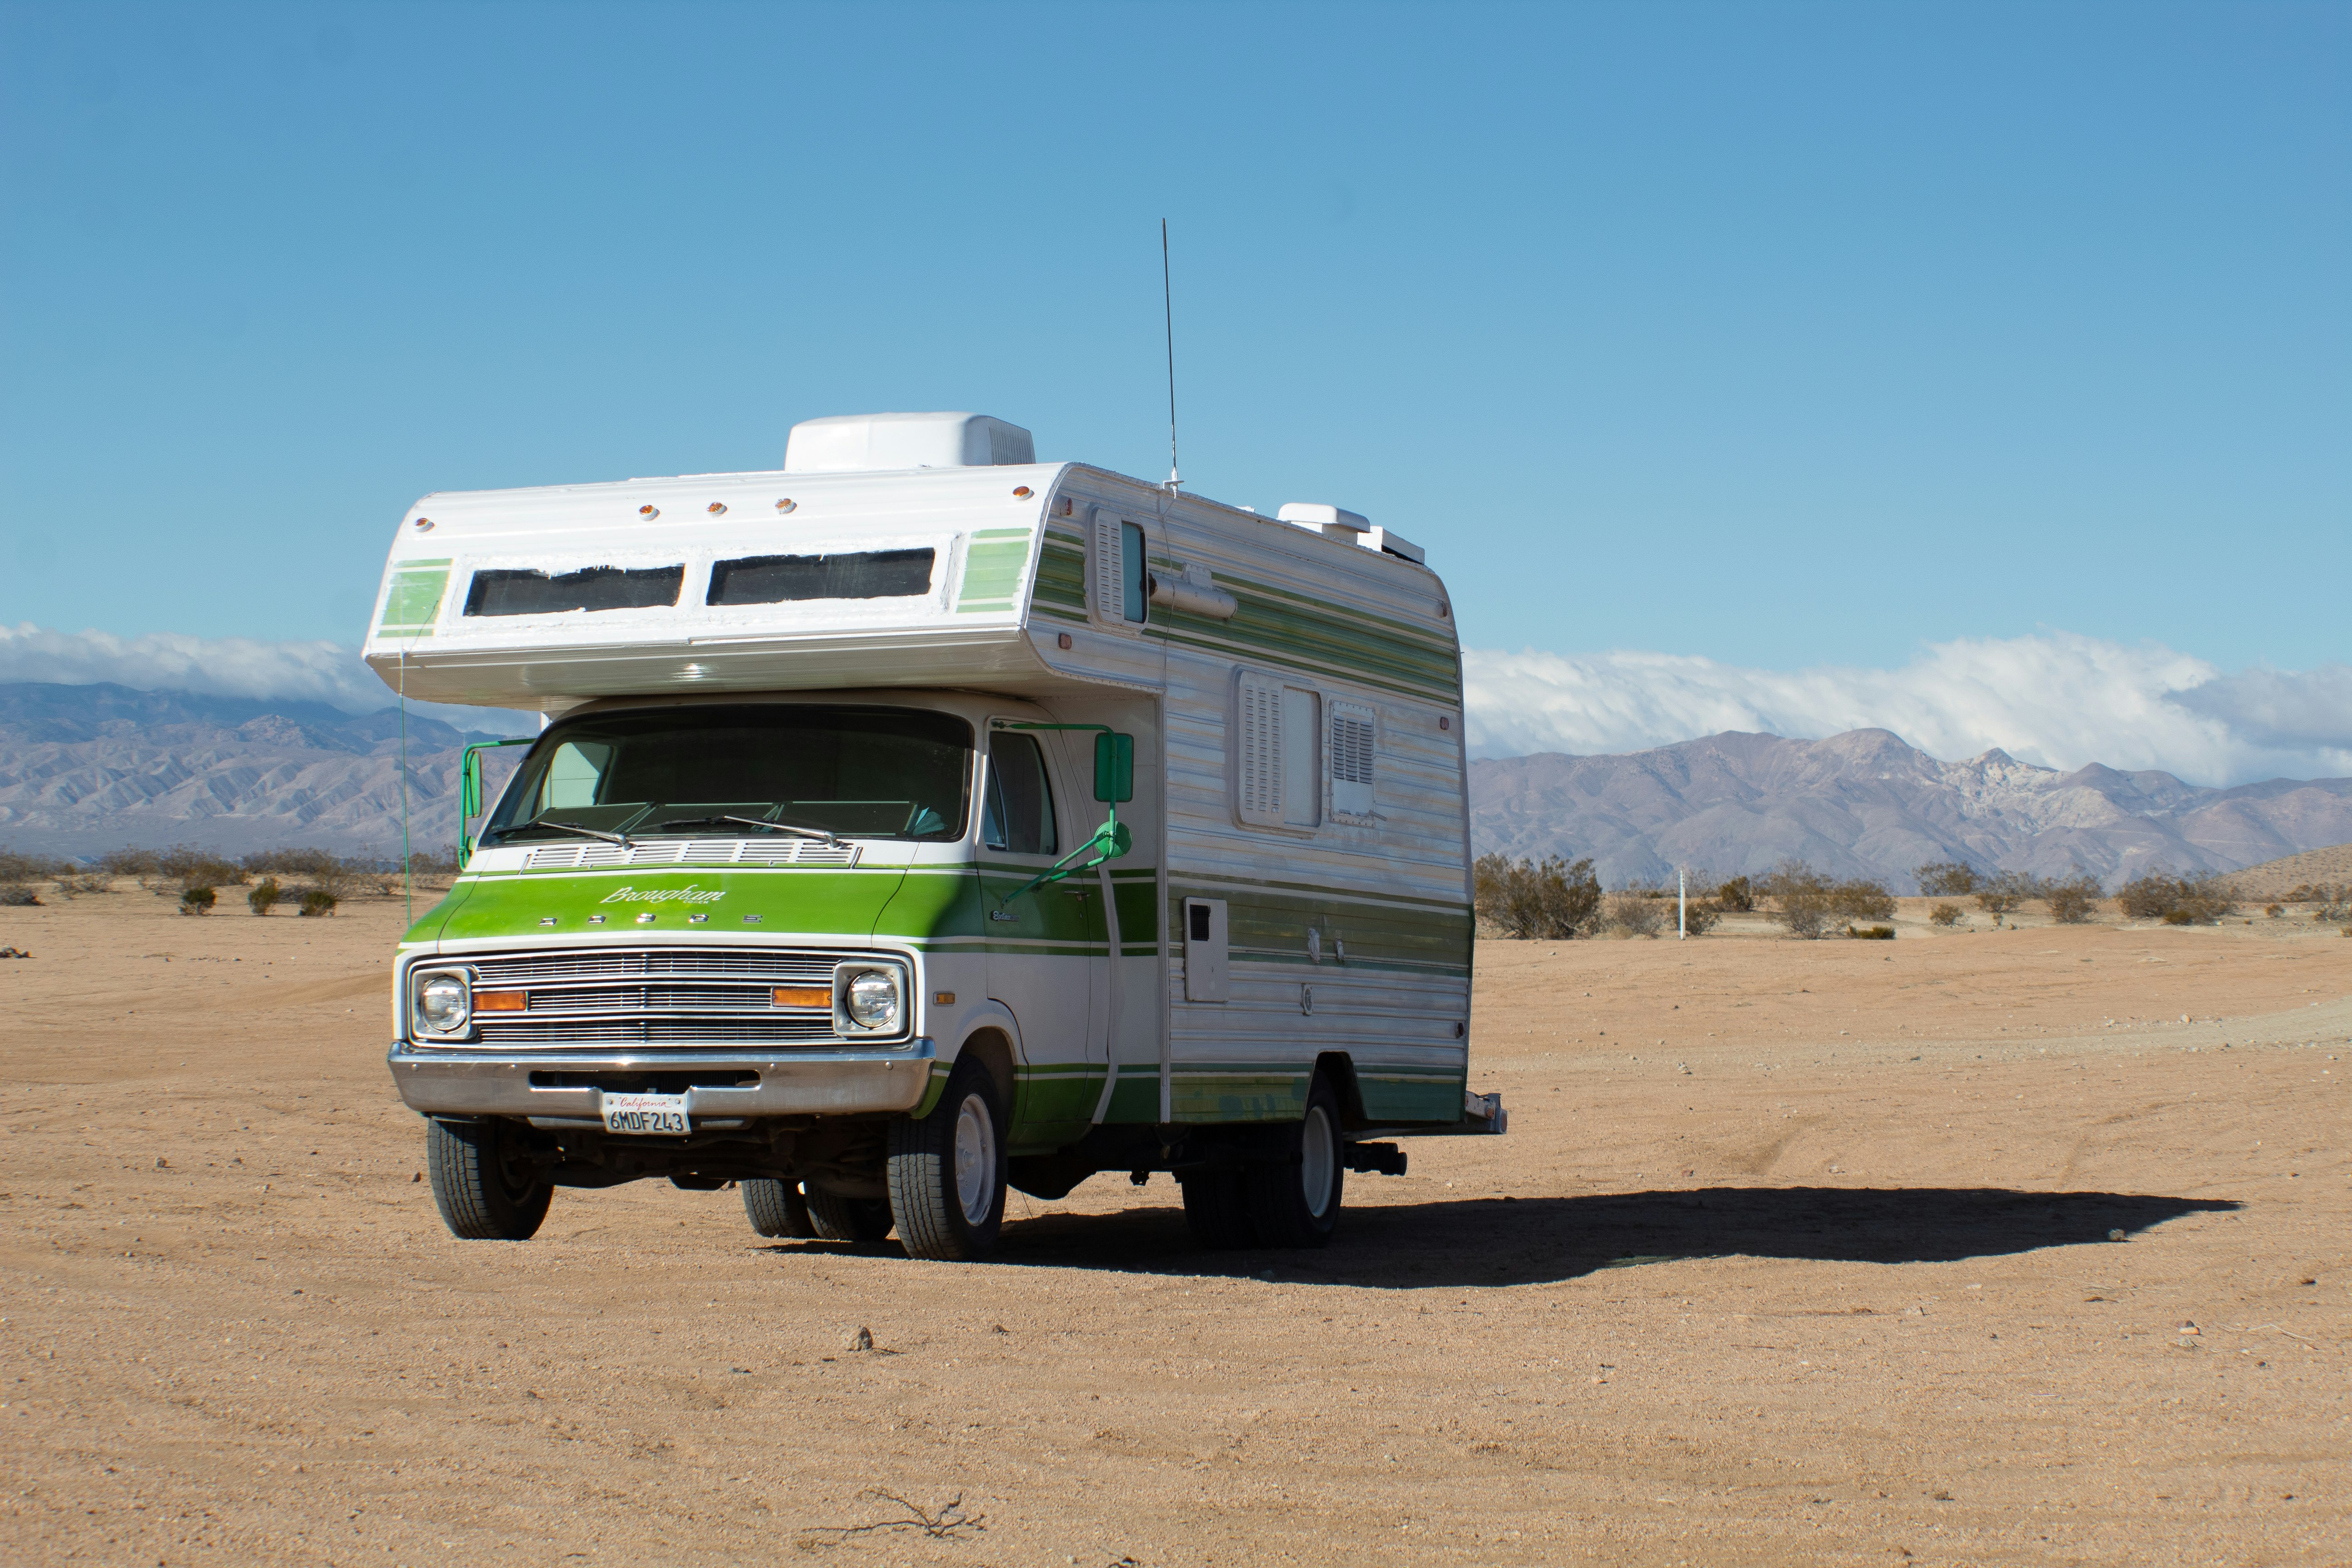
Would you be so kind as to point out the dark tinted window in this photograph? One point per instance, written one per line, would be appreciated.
(519, 592)
(1018, 816)
(862, 574)
(872, 772)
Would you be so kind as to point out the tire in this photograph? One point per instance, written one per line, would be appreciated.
(1294, 1201)
(1216, 1208)
(485, 1189)
(776, 1208)
(947, 1171)
(836, 1218)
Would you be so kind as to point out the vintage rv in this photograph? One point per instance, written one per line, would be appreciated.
(921, 818)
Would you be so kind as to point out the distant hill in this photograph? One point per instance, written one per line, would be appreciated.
(1864, 803)
(84, 769)
(2330, 867)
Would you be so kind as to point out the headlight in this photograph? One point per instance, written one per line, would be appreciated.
(872, 1000)
(445, 1003)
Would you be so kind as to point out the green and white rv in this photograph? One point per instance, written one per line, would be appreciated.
(922, 818)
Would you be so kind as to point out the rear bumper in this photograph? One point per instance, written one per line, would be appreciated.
(844, 1083)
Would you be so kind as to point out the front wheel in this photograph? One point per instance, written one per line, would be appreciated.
(485, 1187)
(948, 1169)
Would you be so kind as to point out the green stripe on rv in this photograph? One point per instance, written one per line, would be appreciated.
(992, 570)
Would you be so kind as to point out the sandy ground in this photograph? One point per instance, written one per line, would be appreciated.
(1795, 1253)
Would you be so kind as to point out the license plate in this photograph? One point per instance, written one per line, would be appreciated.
(646, 1113)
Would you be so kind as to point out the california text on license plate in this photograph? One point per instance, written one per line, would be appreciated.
(646, 1113)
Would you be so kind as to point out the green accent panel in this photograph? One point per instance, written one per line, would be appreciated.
(1001, 533)
(1412, 1100)
(1137, 1098)
(428, 927)
(1240, 1094)
(788, 900)
(1287, 627)
(1060, 576)
(991, 573)
(1138, 912)
(923, 909)
(1054, 1105)
(415, 597)
(1377, 936)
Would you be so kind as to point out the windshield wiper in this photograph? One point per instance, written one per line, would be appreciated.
(816, 833)
(623, 839)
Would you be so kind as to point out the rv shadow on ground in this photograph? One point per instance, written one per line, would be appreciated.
(1524, 1241)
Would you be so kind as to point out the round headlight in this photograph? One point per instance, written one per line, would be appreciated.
(442, 1003)
(873, 1000)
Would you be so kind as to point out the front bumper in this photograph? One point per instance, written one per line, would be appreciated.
(848, 1081)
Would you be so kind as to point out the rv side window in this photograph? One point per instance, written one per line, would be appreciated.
(1120, 592)
(505, 591)
(1353, 731)
(782, 579)
(1276, 774)
(1018, 813)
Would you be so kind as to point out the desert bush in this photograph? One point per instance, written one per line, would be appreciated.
(140, 863)
(1738, 894)
(1943, 915)
(16, 866)
(1636, 913)
(1701, 916)
(265, 894)
(193, 866)
(1548, 898)
(1871, 933)
(1801, 897)
(198, 900)
(321, 868)
(17, 895)
(2002, 892)
(74, 884)
(1861, 898)
(2196, 897)
(2073, 900)
(316, 902)
(1947, 879)
(2273, 911)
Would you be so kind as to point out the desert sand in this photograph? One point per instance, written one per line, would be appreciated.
(1795, 1253)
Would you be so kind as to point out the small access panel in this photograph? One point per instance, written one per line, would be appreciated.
(1207, 977)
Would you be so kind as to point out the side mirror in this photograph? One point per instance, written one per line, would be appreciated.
(1114, 768)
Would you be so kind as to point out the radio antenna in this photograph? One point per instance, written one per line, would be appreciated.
(1167, 308)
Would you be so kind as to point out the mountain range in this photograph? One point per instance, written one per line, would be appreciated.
(85, 769)
(1867, 804)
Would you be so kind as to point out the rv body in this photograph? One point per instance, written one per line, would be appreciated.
(1278, 948)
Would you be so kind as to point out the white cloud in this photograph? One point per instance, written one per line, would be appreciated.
(218, 666)
(2057, 700)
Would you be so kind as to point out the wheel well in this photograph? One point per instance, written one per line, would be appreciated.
(1340, 1068)
(993, 1050)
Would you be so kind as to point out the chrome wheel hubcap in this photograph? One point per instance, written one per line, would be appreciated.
(1319, 1158)
(975, 1160)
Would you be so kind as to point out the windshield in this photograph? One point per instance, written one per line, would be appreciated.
(868, 772)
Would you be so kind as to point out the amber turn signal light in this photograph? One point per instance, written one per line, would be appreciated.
(501, 1001)
(803, 995)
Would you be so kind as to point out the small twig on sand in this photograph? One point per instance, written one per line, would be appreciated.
(941, 1525)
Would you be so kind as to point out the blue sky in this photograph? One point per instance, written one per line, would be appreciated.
(1780, 336)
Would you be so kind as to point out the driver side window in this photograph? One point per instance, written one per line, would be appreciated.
(1018, 813)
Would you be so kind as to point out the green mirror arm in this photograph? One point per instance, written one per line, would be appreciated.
(469, 788)
(1110, 841)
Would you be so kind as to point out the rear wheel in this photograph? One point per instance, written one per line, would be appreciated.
(837, 1219)
(776, 1208)
(1294, 1201)
(1216, 1208)
(947, 1170)
(485, 1187)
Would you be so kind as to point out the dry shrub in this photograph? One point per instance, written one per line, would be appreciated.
(1636, 913)
(1549, 899)
(316, 902)
(16, 867)
(265, 894)
(2073, 900)
(16, 895)
(1943, 915)
(75, 884)
(322, 869)
(2196, 897)
(198, 900)
(141, 863)
(1739, 894)
(2002, 892)
(1871, 933)
(1809, 902)
(1947, 879)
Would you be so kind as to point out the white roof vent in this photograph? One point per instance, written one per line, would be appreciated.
(853, 443)
(1339, 522)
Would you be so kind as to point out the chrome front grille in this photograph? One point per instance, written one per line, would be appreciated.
(653, 995)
